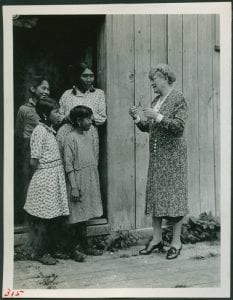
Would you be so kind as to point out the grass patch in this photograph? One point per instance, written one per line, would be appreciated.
(204, 228)
(48, 281)
(180, 286)
(208, 255)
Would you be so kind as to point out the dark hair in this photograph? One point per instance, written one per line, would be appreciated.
(76, 71)
(35, 81)
(45, 106)
(80, 111)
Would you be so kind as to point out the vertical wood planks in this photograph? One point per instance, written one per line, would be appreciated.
(187, 44)
(175, 47)
(216, 110)
(142, 94)
(190, 90)
(158, 39)
(205, 53)
(120, 129)
(101, 83)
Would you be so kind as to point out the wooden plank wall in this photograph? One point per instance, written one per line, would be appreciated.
(120, 129)
(190, 90)
(150, 49)
(216, 111)
(134, 44)
(101, 83)
(206, 122)
(143, 96)
(175, 51)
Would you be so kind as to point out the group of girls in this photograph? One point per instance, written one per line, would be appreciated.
(64, 189)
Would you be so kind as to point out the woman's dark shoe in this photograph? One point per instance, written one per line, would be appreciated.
(149, 248)
(173, 252)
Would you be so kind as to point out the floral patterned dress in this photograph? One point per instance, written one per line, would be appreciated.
(166, 192)
(96, 101)
(47, 194)
(79, 158)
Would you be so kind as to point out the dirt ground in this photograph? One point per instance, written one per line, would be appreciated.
(197, 266)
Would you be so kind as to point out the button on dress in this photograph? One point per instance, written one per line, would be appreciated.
(166, 191)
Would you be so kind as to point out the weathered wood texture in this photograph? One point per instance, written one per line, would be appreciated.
(216, 112)
(120, 129)
(205, 90)
(190, 89)
(133, 45)
(175, 49)
(101, 82)
(142, 96)
(158, 32)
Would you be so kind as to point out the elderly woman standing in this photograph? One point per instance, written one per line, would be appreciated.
(166, 193)
(83, 93)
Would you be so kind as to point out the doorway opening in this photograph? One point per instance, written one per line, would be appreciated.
(48, 44)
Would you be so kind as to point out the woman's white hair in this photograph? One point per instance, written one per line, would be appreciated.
(165, 71)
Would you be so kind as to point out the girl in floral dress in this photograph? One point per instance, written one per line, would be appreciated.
(47, 195)
(83, 179)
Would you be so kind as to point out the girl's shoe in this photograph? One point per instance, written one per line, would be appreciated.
(47, 259)
(61, 255)
(78, 256)
(149, 248)
(93, 251)
(173, 252)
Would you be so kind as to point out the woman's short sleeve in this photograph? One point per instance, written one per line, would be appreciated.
(62, 102)
(100, 115)
(69, 154)
(36, 142)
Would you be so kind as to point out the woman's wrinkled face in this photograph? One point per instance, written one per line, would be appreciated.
(158, 82)
(85, 123)
(54, 116)
(42, 90)
(87, 79)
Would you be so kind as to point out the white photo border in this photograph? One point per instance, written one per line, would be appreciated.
(221, 8)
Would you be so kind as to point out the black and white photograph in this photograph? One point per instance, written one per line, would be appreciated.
(117, 148)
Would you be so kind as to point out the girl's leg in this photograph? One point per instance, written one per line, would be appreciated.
(81, 234)
(37, 235)
(54, 232)
(69, 238)
(72, 240)
(87, 247)
(157, 230)
(41, 241)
